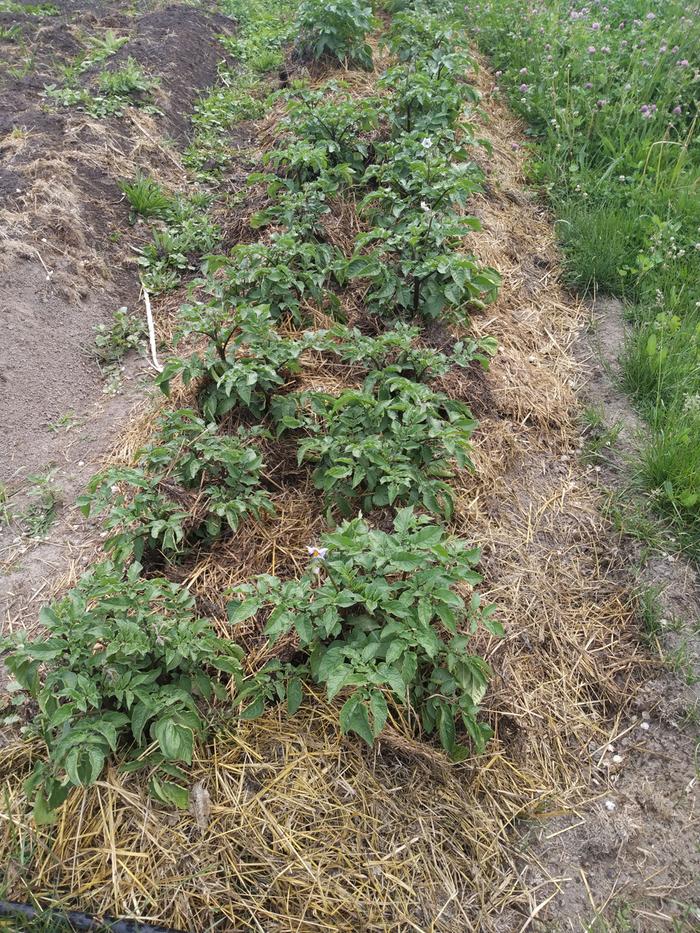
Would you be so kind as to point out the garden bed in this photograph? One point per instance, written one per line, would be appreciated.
(286, 822)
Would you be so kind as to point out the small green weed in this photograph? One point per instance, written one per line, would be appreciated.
(98, 49)
(683, 660)
(114, 91)
(39, 517)
(598, 440)
(65, 422)
(649, 609)
(11, 33)
(29, 9)
(5, 511)
(125, 334)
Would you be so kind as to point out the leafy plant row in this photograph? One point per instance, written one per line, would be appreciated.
(379, 615)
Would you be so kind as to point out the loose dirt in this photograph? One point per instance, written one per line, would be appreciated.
(630, 859)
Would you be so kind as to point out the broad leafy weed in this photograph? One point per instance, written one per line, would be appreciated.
(113, 341)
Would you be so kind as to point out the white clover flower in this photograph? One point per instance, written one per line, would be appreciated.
(427, 143)
(691, 404)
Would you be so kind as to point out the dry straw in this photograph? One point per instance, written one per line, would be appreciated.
(295, 828)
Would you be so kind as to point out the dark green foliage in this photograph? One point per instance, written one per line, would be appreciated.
(336, 28)
(387, 444)
(188, 485)
(383, 615)
(122, 664)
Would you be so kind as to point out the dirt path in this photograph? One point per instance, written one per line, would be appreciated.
(629, 860)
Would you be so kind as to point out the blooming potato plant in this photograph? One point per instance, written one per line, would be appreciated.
(387, 444)
(147, 505)
(382, 615)
(416, 173)
(340, 124)
(125, 662)
(126, 665)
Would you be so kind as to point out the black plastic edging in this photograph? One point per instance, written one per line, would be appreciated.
(80, 921)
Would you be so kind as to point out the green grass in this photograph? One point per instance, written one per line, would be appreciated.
(29, 9)
(610, 96)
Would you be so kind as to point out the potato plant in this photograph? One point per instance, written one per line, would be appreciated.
(339, 124)
(335, 29)
(413, 172)
(279, 273)
(188, 486)
(300, 207)
(424, 100)
(124, 665)
(243, 362)
(416, 268)
(397, 351)
(382, 615)
(389, 443)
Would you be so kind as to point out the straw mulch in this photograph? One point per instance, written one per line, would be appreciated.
(294, 828)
